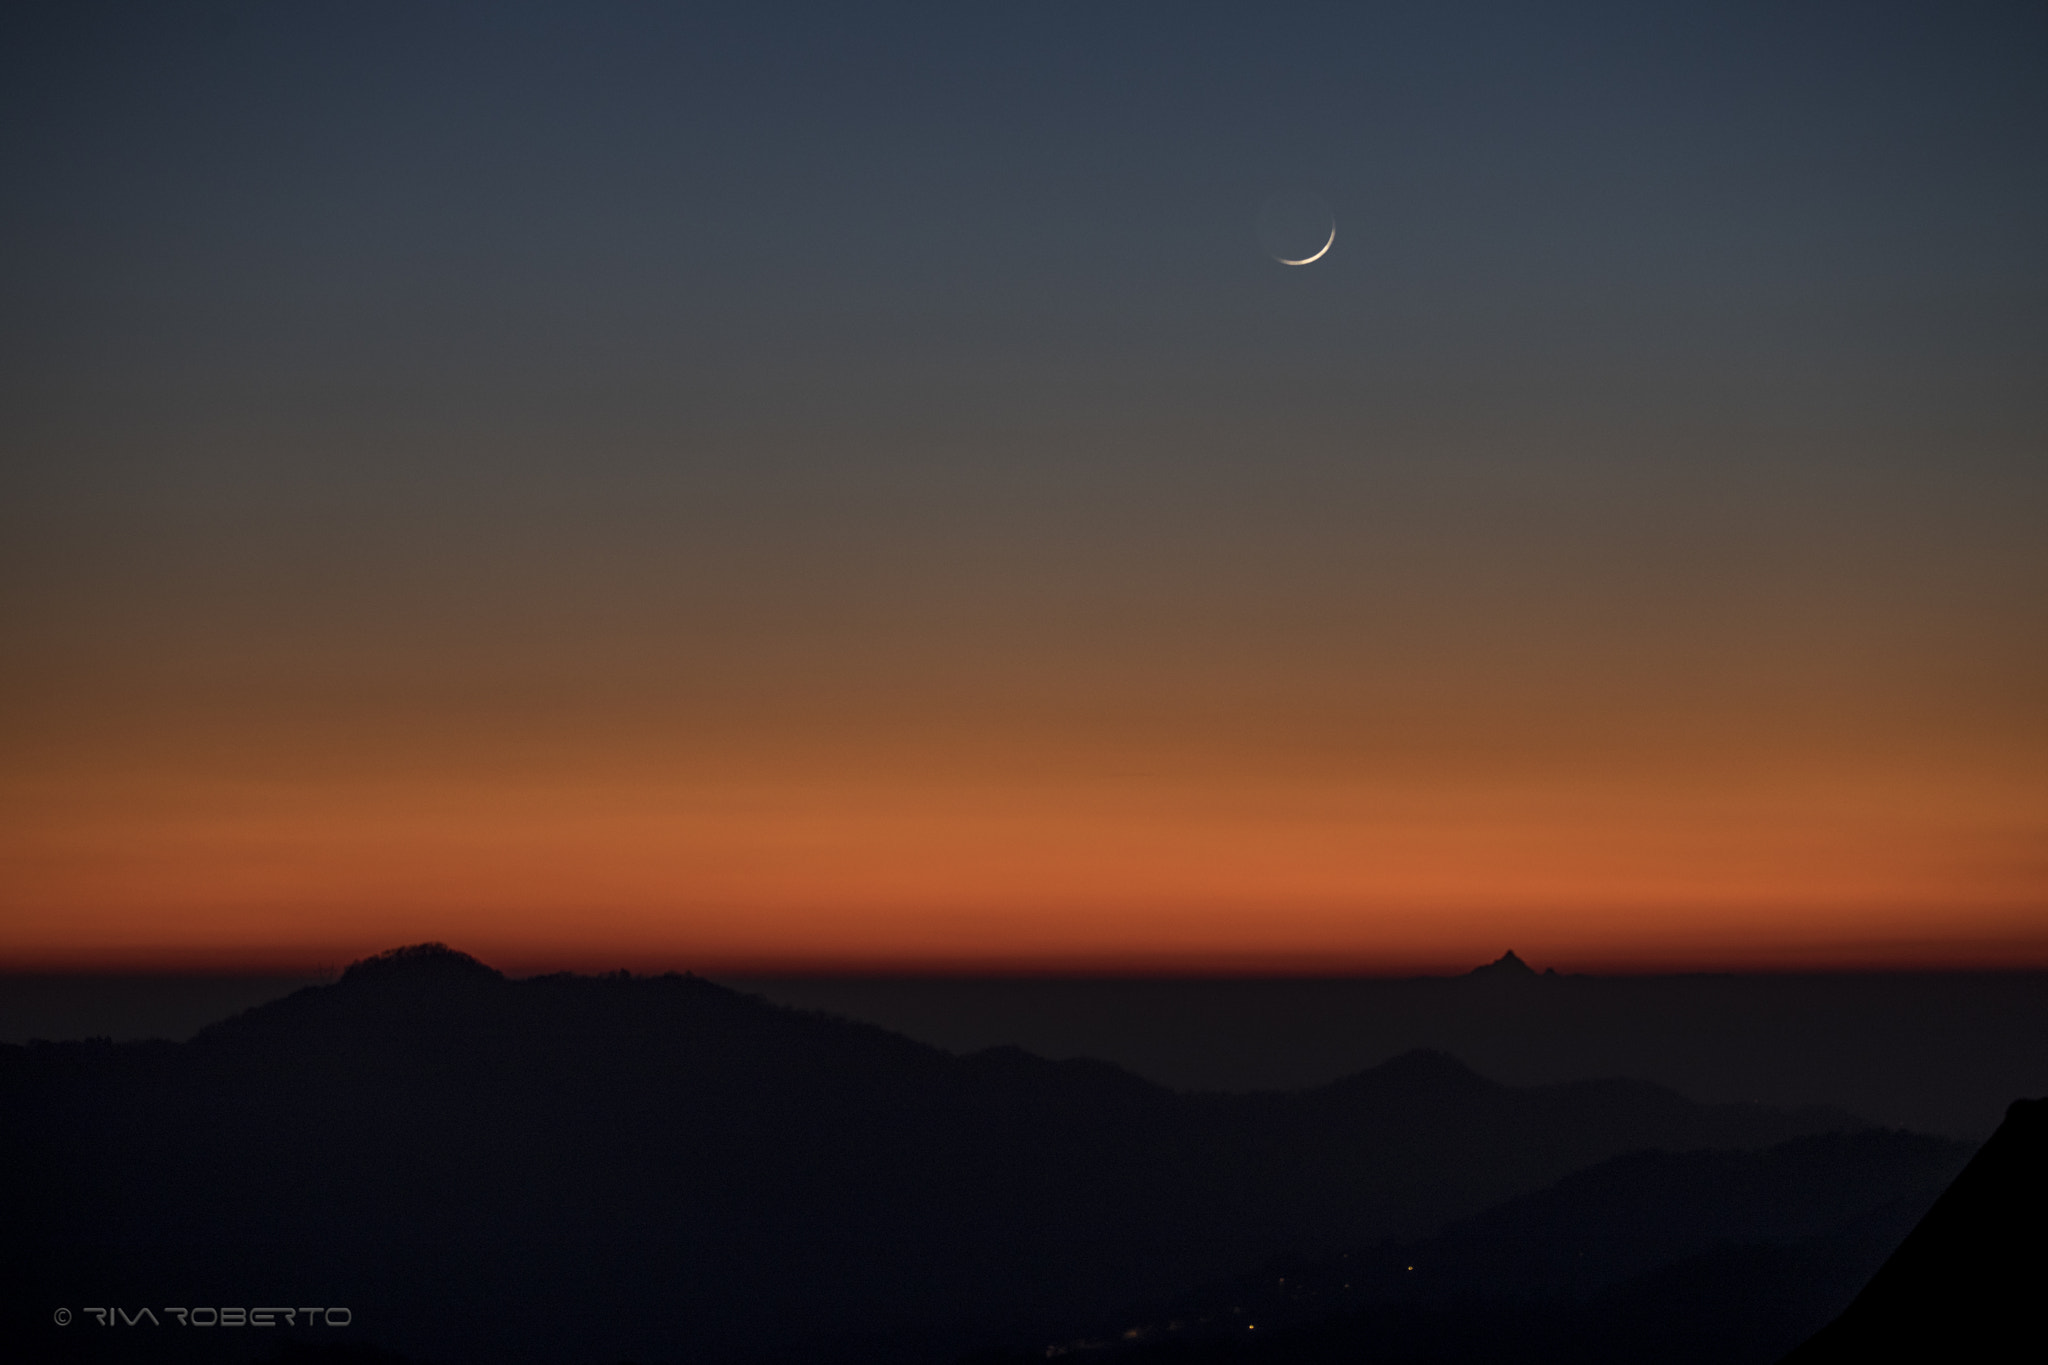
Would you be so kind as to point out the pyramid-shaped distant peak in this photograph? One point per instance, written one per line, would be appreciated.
(420, 961)
(1505, 967)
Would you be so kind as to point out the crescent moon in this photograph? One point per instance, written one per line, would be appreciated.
(1311, 260)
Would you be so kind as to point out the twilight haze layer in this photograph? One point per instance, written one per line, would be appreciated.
(786, 489)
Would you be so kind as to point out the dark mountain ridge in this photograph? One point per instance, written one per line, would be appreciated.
(661, 1168)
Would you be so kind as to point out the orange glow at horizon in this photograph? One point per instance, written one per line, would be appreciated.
(1373, 732)
(1294, 878)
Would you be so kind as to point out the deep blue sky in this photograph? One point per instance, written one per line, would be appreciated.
(632, 197)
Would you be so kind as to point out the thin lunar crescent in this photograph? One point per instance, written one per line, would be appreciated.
(1322, 252)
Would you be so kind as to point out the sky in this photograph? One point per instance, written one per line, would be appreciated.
(775, 488)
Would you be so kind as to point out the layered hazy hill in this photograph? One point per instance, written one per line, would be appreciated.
(1934, 1052)
(1685, 1258)
(577, 1168)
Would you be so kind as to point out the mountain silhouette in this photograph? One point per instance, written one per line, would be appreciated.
(408, 967)
(573, 1168)
(1506, 967)
(1967, 1282)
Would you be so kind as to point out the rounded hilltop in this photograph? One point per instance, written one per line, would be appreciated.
(435, 961)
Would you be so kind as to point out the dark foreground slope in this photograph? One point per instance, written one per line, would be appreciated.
(1971, 1280)
(595, 1169)
(1688, 1258)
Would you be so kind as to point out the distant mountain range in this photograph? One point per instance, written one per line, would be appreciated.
(571, 1168)
(1933, 1052)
